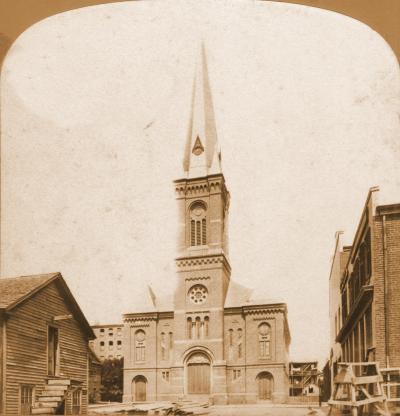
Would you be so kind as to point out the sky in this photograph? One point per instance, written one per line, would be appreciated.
(95, 106)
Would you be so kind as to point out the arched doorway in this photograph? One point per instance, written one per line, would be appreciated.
(139, 386)
(265, 383)
(198, 374)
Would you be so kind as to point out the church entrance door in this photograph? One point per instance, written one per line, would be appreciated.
(265, 386)
(198, 374)
(140, 383)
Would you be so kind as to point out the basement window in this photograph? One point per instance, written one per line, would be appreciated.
(26, 399)
(76, 401)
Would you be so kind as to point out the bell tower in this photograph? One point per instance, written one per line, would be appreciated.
(202, 264)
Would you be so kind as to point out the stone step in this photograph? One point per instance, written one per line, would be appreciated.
(56, 387)
(50, 399)
(42, 411)
(48, 404)
(52, 393)
(58, 381)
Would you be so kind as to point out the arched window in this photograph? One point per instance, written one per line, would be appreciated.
(264, 338)
(198, 326)
(206, 323)
(163, 346)
(231, 337)
(171, 341)
(198, 224)
(140, 345)
(189, 328)
(240, 348)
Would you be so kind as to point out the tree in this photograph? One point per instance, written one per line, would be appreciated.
(112, 379)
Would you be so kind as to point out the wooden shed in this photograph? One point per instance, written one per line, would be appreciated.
(44, 352)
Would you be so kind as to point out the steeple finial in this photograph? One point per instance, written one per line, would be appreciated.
(202, 156)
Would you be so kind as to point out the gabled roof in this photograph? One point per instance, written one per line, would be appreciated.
(15, 290)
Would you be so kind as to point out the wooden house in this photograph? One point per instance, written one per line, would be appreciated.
(44, 352)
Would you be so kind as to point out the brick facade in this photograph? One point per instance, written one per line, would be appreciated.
(367, 308)
(212, 340)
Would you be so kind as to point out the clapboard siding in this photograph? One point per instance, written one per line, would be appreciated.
(27, 329)
(1, 361)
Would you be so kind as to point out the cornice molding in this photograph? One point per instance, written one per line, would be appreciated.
(200, 186)
(140, 317)
(202, 260)
(188, 279)
(267, 309)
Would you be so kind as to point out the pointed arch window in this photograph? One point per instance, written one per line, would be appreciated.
(198, 224)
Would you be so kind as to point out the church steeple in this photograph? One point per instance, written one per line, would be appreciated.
(202, 195)
(202, 155)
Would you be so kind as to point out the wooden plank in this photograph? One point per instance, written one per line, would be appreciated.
(367, 380)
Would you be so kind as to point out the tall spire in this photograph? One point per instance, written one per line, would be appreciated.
(202, 155)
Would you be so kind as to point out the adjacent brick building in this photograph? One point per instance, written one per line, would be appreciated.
(365, 289)
(213, 339)
(108, 342)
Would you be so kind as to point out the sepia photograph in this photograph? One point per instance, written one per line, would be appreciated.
(200, 207)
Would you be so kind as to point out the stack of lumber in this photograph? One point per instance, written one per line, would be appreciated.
(187, 408)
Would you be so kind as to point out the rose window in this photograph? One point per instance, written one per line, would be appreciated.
(198, 294)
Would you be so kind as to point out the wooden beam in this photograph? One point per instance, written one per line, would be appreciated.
(61, 317)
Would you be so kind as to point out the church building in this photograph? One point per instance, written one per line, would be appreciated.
(212, 340)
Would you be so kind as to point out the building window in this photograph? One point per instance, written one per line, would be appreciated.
(163, 346)
(231, 337)
(198, 294)
(189, 328)
(102, 332)
(119, 331)
(237, 374)
(198, 224)
(171, 342)
(264, 339)
(198, 327)
(165, 376)
(110, 332)
(101, 345)
(76, 402)
(240, 348)
(110, 345)
(140, 345)
(206, 324)
(344, 306)
(119, 344)
(368, 260)
(26, 399)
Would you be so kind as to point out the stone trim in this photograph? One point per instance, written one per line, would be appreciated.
(256, 310)
(140, 317)
(197, 278)
(202, 260)
(139, 325)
